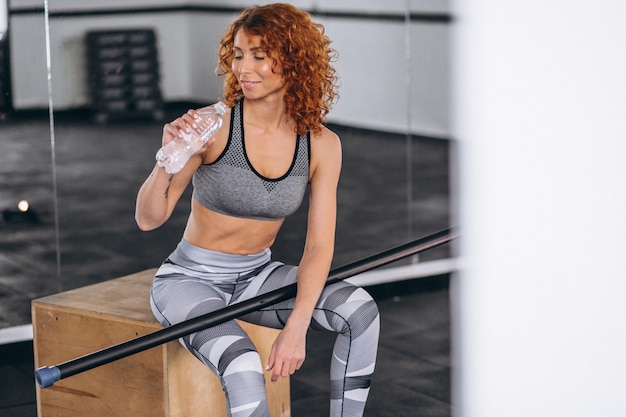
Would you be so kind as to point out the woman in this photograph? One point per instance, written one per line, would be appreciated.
(279, 85)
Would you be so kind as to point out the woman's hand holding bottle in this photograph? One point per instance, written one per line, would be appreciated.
(188, 135)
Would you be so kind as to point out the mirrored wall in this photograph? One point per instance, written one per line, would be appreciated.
(79, 168)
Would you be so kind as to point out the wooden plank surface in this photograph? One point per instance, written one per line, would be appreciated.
(126, 297)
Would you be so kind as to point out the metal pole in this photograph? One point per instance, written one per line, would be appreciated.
(47, 376)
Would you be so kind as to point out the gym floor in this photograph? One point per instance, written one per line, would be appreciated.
(393, 189)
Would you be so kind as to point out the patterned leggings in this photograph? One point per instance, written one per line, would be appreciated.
(195, 281)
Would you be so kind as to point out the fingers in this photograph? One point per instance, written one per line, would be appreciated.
(285, 369)
(282, 367)
(170, 131)
(184, 123)
(271, 359)
(278, 372)
(287, 354)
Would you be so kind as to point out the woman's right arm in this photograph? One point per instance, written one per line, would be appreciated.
(160, 192)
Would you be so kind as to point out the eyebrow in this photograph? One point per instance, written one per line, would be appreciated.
(254, 49)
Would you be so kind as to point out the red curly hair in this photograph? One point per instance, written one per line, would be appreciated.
(291, 37)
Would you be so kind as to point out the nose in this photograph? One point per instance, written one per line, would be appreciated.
(244, 66)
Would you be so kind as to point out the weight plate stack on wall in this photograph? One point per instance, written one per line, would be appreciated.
(123, 74)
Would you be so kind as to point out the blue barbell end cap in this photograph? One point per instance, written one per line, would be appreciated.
(47, 376)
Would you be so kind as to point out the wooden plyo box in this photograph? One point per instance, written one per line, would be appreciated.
(165, 381)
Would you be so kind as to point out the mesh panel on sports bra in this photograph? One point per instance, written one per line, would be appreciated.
(231, 186)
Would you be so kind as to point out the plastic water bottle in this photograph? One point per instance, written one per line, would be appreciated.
(175, 154)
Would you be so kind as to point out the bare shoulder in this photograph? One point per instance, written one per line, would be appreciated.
(325, 144)
(326, 152)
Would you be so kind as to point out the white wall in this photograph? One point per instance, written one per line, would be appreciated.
(540, 317)
(372, 65)
(4, 19)
(375, 88)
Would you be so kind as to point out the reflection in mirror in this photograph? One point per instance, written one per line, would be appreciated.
(100, 166)
(391, 116)
(29, 265)
(55, 201)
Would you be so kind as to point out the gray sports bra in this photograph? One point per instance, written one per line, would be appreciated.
(232, 186)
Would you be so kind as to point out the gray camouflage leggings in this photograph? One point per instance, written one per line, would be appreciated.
(195, 281)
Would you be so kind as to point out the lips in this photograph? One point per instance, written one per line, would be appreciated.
(248, 84)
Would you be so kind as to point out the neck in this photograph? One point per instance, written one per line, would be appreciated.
(268, 115)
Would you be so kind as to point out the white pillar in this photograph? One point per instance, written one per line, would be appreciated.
(540, 303)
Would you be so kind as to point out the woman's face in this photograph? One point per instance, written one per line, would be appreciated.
(253, 68)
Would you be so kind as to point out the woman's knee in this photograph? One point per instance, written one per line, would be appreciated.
(227, 347)
(353, 308)
(365, 316)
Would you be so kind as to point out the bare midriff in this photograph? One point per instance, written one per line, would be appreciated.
(218, 232)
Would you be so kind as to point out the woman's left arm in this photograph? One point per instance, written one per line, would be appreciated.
(288, 352)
